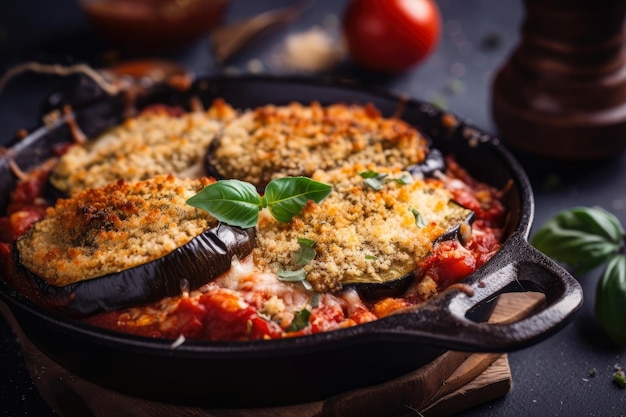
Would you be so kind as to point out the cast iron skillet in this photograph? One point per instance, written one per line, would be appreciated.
(303, 369)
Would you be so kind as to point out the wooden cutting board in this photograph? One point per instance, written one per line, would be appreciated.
(453, 382)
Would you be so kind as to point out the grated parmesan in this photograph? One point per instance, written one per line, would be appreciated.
(312, 50)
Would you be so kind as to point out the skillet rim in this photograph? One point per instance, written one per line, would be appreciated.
(274, 347)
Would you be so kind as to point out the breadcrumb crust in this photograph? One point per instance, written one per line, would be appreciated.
(152, 143)
(360, 234)
(296, 139)
(105, 230)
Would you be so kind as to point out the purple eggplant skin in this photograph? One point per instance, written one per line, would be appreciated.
(397, 286)
(454, 232)
(435, 161)
(212, 171)
(188, 267)
(209, 165)
(379, 290)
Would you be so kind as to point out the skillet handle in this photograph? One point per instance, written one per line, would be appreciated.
(442, 321)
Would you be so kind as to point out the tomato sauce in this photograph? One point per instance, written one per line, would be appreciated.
(216, 313)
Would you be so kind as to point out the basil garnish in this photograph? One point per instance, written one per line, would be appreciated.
(583, 239)
(405, 179)
(291, 276)
(306, 253)
(611, 298)
(237, 203)
(300, 320)
(420, 221)
(376, 181)
(315, 299)
(234, 202)
(285, 197)
(298, 275)
(373, 179)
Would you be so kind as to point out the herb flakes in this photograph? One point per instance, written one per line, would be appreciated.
(373, 179)
(306, 253)
(420, 221)
(292, 276)
(376, 181)
(300, 320)
(583, 239)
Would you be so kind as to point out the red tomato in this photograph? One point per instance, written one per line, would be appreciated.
(449, 263)
(391, 35)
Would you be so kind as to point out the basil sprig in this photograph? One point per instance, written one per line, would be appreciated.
(373, 179)
(611, 298)
(306, 253)
(237, 203)
(376, 180)
(300, 320)
(420, 221)
(585, 238)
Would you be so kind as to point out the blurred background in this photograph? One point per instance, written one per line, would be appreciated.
(461, 65)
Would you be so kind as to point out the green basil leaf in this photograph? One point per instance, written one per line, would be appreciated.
(306, 253)
(583, 238)
(291, 276)
(315, 299)
(370, 174)
(373, 179)
(405, 179)
(234, 202)
(285, 197)
(376, 181)
(601, 223)
(300, 320)
(420, 221)
(303, 241)
(611, 299)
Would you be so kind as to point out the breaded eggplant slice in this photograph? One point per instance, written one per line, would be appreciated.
(126, 244)
(293, 140)
(364, 232)
(159, 141)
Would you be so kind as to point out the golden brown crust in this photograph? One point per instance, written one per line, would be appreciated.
(109, 229)
(360, 233)
(153, 143)
(274, 141)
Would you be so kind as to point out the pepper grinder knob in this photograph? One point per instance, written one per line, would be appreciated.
(562, 92)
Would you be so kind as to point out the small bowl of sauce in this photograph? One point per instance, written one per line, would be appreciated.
(153, 25)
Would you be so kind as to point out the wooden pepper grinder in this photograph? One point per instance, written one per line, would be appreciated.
(562, 92)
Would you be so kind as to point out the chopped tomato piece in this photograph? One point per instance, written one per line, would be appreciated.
(449, 263)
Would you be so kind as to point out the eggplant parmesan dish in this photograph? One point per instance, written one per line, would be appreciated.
(245, 224)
